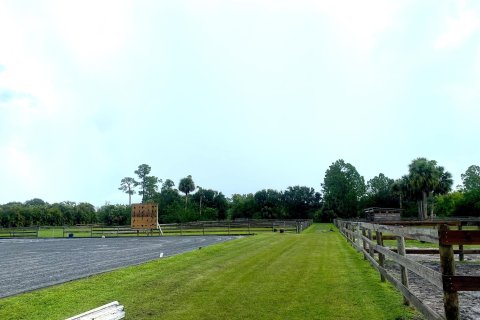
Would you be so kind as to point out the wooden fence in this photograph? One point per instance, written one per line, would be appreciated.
(241, 227)
(27, 232)
(362, 235)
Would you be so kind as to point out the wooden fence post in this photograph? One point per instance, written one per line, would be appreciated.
(352, 229)
(364, 233)
(447, 264)
(370, 248)
(381, 256)
(358, 236)
(461, 256)
(403, 270)
(345, 228)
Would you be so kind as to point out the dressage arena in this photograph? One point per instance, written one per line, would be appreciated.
(29, 264)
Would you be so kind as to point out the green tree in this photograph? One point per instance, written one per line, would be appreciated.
(168, 201)
(151, 187)
(85, 213)
(427, 178)
(342, 187)
(300, 202)
(220, 203)
(126, 185)
(117, 215)
(186, 186)
(446, 205)
(269, 203)
(380, 192)
(470, 204)
(148, 184)
(242, 206)
(471, 178)
(401, 189)
(168, 185)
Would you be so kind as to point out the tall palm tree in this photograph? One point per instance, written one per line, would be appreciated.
(425, 178)
(186, 186)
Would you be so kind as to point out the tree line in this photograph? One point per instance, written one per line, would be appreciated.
(424, 191)
(198, 203)
(37, 212)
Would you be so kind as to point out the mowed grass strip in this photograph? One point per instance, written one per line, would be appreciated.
(314, 275)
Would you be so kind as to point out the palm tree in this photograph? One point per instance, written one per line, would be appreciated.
(426, 178)
(186, 186)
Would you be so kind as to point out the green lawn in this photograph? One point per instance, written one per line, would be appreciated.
(314, 275)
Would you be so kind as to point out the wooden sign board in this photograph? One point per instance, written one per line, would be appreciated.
(144, 216)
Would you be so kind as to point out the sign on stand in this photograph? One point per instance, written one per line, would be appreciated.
(145, 216)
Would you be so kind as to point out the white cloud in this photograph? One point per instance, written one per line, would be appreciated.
(360, 23)
(460, 26)
(357, 24)
(93, 31)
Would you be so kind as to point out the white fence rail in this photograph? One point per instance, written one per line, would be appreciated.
(110, 311)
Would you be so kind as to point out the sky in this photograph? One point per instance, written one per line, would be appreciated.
(242, 95)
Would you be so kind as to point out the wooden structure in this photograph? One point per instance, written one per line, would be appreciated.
(145, 216)
(383, 214)
(446, 280)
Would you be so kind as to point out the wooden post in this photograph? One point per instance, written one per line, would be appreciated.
(403, 270)
(359, 237)
(381, 256)
(370, 248)
(345, 228)
(364, 233)
(461, 256)
(352, 228)
(447, 264)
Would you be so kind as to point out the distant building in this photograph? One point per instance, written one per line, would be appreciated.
(383, 214)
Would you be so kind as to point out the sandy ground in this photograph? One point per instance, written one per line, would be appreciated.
(432, 296)
(29, 264)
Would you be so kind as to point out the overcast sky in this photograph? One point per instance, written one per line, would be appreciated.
(242, 95)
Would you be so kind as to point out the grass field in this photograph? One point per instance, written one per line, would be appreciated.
(314, 275)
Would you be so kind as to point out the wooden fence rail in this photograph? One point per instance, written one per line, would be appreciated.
(241, 227)
(26, 232)
(361, 236)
